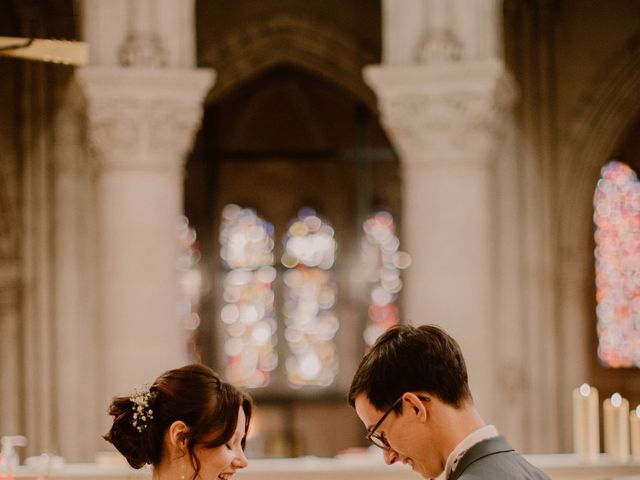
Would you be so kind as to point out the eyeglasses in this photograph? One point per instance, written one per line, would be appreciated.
(378, 439)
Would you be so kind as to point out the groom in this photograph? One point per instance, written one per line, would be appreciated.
(412, 394)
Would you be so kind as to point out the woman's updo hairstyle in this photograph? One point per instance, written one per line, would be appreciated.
(194, 394)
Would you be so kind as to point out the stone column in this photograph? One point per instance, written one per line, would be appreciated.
(445, 99)
(11, 385)
(141, 124)
(144, 102)
(445, 123)
(74, 293)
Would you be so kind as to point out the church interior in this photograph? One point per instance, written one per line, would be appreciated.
(265, 186)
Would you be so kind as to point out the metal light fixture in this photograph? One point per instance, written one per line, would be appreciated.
(66, 52)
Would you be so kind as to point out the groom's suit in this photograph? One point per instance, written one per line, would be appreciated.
(495, 459)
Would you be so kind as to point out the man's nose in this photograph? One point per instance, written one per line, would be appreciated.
(390, 456)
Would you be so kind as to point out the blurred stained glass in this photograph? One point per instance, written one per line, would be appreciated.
(248, 313)
(189, 284)
(382, 264)
(310, 322)
(617, 263)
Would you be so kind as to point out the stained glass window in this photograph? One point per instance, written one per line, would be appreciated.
(382, 264)
(248, 313)
(307, 293)
(617, 263)
(310, 322)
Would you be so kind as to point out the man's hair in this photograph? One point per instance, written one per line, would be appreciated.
(412, 359)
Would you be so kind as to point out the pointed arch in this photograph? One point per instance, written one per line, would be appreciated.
(285, 39)
(603, 120)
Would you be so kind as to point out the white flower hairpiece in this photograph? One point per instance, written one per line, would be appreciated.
(141, 411)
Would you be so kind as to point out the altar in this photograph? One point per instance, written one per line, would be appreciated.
(365, 466)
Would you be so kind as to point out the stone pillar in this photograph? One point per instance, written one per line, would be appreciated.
(11, 410)
(144, 101)
(11, 385)
(445, 123)
(445, 100)
(141, 124)
(158, 33)
(74, 292)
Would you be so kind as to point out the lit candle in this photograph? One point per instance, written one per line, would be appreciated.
(634, 423)
(586, 423)
(616, 427)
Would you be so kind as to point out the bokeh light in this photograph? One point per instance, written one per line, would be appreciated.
(310, 323)
(617, 264)
(248, 314)
(382, 263)
(189, 284)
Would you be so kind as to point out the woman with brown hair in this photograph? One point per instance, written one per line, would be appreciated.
(189, 424)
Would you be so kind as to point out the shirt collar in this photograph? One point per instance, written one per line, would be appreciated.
(477, 436)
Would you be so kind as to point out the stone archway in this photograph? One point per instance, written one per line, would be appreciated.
(284, 39)
(309, 71)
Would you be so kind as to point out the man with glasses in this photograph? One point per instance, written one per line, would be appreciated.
(411, 392)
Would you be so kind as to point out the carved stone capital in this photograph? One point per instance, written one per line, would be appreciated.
(143, 118)
(446, 113)
(143, 50)
(438, 46)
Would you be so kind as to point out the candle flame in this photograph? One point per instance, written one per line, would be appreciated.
(585, 390)
(616, 400)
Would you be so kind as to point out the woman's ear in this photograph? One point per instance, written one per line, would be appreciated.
(177, 436)
(416, 404)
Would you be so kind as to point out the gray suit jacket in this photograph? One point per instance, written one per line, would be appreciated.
(495, 459)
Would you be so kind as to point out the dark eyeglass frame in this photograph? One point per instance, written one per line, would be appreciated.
(377, 439)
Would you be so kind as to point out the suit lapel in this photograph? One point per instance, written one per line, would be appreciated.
(480, 450)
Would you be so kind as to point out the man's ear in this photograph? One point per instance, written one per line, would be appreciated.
(177, 436)
(416, 404)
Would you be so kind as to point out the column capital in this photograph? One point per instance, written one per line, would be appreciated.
(453, 112)
(143, 118)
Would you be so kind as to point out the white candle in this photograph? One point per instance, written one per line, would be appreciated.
(634, 424)
(586, 423)
(616, 427)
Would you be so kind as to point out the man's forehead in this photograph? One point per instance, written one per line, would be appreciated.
(366, 411)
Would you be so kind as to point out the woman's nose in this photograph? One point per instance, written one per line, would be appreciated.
(240, 461)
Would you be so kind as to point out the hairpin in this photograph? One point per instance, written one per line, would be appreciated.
(141, 411)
